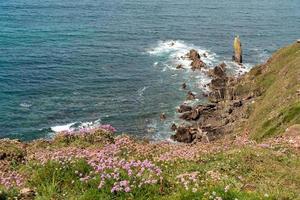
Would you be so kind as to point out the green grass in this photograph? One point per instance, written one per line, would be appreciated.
(245, 173)
(277, 81)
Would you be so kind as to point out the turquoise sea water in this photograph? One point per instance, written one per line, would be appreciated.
(67, 64)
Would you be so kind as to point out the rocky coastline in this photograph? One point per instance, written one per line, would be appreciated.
(226, 107)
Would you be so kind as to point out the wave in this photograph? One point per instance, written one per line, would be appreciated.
(76, 126)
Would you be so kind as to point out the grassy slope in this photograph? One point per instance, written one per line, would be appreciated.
(279, 105)
(249, 171)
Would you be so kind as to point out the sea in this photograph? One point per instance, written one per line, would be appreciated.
(67, 65)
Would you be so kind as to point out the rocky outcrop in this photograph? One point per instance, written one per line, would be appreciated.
(237, 46)
(197, 63)
(217, 118)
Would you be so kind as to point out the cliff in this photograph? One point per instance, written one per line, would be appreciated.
(256, 156)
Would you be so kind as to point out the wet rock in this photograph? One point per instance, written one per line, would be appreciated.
(193, 55)
(191, 96)
(180, 66)
(184, 108)
(184, 86)
(197, 63)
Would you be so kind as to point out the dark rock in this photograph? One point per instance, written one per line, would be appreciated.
(180, 66)
(184, 108)
(173, 127)
(184, 86)
(191, 96)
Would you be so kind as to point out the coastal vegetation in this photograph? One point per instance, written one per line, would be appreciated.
(257, 158)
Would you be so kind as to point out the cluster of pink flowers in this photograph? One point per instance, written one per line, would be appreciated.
(135, 173)
(106, 162)
(11, 179)
(188, 180)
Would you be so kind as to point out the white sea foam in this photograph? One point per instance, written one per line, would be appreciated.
(175, 52)
(75, 126)
(65, 127)
(25, 105)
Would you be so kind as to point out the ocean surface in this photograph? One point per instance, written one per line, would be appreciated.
(70, 64)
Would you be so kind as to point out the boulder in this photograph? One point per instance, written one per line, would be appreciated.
(183, 86)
